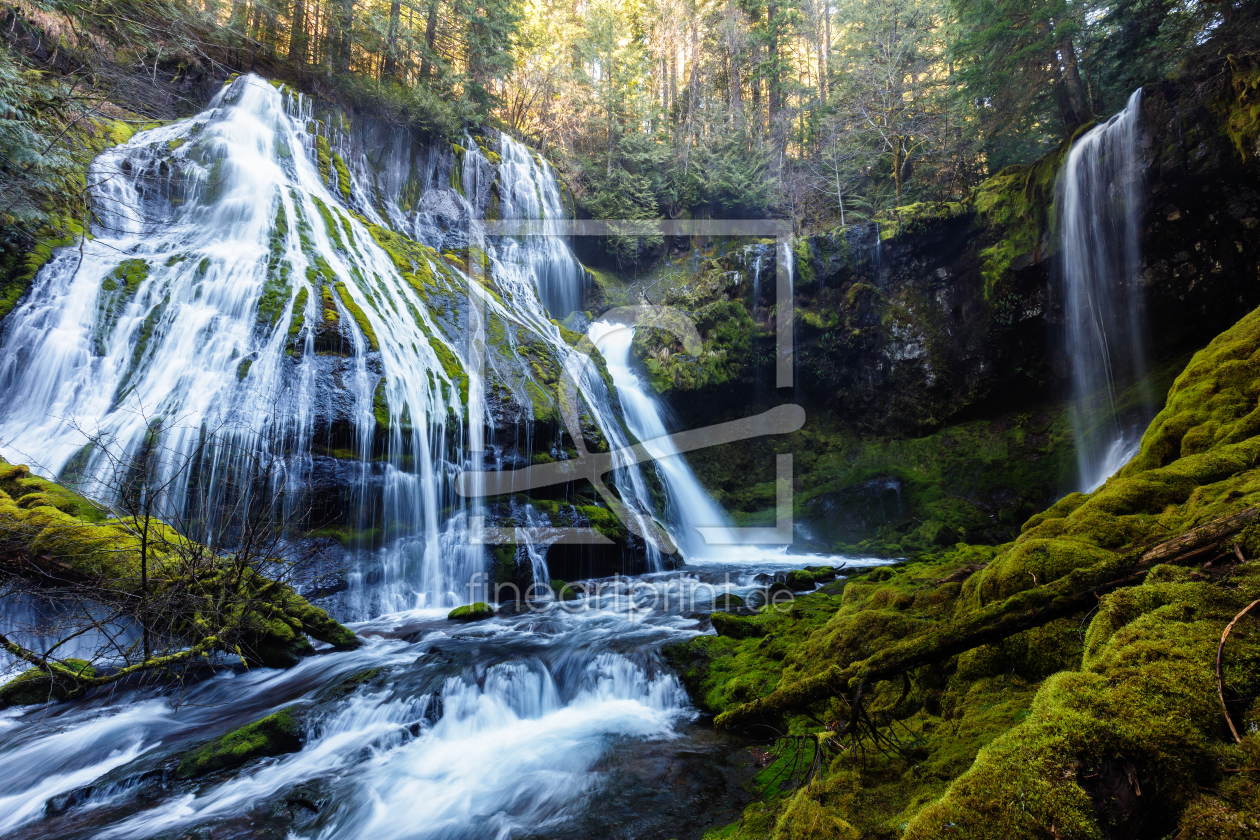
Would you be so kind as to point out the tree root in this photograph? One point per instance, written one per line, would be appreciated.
(1220, 686)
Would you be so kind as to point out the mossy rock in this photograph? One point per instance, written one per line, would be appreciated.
(472, 612)
(800, 580)
(565, 591)
(275, 734)
(727, 601)
(734, 626)
(36, 685)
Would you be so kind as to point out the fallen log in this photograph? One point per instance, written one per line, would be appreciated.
(1200, 539)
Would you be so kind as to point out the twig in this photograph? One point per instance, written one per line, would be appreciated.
(1220, 688)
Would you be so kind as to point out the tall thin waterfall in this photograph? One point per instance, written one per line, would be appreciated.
(690, 507)
(220, 258)
(1100, 201)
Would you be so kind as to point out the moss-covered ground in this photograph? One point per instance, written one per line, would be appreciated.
(58, 537)
(1102, 720)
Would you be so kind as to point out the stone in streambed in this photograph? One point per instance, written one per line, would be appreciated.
(800, 580)
(471, 612)
(275, 734)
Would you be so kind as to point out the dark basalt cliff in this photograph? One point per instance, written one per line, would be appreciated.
(929, 349)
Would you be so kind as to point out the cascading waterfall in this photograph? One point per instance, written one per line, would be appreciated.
(690, 507)
(220, 251)
(1100, 201)
(220, 244)
(530, 191)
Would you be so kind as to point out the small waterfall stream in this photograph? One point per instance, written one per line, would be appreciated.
(690, 507)
(1100, 206)
(221, 250)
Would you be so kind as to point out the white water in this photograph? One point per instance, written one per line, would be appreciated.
(1100, 198)
(690, 507)
(200, 203)
(501, 729)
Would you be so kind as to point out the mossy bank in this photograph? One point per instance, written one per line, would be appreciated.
(1073, 690)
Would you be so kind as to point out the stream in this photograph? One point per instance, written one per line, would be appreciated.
(195, 300)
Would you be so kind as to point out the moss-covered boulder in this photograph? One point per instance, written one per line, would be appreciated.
(35, 685)
(734, 626)
(800, 580)
(565, 591)
(275, 734)
(472, 612)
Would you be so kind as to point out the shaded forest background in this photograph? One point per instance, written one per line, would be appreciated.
(821, 111)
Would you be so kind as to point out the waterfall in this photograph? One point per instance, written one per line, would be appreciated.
(531, 191)
(229, 295)
(1099, 199)
(690, 507)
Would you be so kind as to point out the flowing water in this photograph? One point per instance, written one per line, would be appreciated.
(224, 242)
(1100, 201)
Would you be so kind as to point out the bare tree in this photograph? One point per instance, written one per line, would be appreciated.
(185, 561)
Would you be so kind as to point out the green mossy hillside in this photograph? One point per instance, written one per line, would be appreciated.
(1101, 721)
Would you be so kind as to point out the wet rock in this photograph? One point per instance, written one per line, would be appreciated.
(471, 612)
(275, 734)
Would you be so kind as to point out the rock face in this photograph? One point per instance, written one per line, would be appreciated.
(354, 330)
(939, 323)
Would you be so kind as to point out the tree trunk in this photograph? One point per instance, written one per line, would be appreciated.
(389, 69)
(430, 32)
(826, 68)
(822, 62)
(341, 25)
(297, 36)
(673, 81)
(1072, 79)
(772, 56)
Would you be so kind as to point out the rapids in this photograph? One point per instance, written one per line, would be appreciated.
(223, 241)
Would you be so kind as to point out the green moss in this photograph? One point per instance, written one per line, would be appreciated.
(1061, 724)
(603, 520)
(564, 591)
(35, 685)
(297, 318)
(275, 734)
(735, 627)
(323, 157)
(380, 406)
(343, 176)
(472, 612)
(799, 580)
(1239, 109)
(360, 317)
(330, 222)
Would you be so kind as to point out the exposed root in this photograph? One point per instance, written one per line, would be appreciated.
(1220, 649)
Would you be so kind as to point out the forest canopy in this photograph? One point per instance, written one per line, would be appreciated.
(821, 111)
